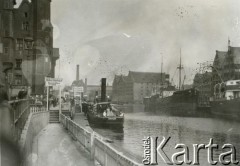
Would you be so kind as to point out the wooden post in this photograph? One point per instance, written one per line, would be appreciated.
(47, 96)
(92, 146)
(60, 107)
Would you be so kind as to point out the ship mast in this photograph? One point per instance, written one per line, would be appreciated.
(180, 67)
(161, 78)
(162, 71)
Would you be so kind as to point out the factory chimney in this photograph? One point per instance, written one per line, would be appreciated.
(77, 73)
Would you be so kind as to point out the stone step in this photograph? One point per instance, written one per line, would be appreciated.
(54, 121)
(54, 114)
(54, 117)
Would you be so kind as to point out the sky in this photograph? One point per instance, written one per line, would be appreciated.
(108, 37)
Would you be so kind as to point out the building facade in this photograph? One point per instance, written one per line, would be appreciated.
(226, 65)
(26, 44)
(137, 85)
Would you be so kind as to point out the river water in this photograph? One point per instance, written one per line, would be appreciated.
(187, 130)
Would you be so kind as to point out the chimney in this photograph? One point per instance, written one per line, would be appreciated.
(103, 89)
(77, 73)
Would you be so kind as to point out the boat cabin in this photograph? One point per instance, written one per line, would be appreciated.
(227, 90)
(106, 109)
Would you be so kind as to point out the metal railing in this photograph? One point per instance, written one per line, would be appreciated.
(100, 151)
(20, 111)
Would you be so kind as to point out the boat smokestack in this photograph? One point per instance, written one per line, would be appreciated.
(77, 73)
(103, 89)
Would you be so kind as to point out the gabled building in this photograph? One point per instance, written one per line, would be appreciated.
(226, 65)
(26, 44)
(137, 85)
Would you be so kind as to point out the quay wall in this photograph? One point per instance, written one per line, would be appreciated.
(100, 150)
(38, 119)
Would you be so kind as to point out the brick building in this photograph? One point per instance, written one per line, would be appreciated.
(26, 44)
(137, 85)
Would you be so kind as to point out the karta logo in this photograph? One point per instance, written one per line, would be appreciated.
(153, 151)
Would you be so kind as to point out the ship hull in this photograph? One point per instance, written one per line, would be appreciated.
(169, 107)
(226, 108)
(183, 103)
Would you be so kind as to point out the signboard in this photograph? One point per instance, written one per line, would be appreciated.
(77, 90)
(53, 81)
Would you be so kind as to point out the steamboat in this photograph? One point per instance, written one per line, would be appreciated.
(103, 113)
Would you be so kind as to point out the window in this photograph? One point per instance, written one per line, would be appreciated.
(47, 40)
(18, 79)
(10, 78)
(6, 4)
(19, 44)
(0, 20)
(25, 26)
(1, 48)
(18, 63)
(28, 44)
(26, 15)
(5, 50)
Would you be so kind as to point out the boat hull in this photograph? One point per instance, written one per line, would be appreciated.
(105, 121)
(226, 108)
(181, 104)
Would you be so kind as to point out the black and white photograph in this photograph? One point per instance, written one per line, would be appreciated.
(119, 82)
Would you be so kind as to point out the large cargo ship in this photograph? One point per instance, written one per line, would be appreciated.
(226, 100)
(181, 103)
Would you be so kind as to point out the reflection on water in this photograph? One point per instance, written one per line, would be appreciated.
(186, 130)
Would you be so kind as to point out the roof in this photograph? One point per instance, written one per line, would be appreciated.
(78, 83)
(98, 86)
(235, 52)
(220, 58)
(123, 78)
(144, 77)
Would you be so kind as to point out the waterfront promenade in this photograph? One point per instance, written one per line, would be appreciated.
(72, 144)
(54, 146)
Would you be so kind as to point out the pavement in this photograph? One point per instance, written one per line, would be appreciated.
(53, 146)
(81, 119)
